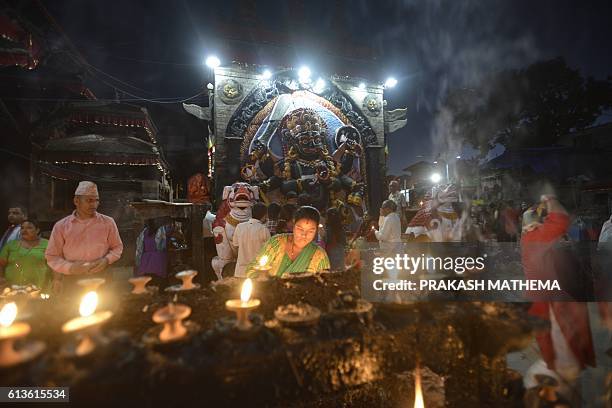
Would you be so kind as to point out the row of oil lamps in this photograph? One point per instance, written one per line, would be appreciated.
(88, 324)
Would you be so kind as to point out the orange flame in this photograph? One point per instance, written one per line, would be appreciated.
(247, 288)
(263, 260)
(418, 392)
(8, 314)
(88, 304)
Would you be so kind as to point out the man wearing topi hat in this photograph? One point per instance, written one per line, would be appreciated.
(84, 243)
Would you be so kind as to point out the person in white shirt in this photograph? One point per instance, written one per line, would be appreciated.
(605, 237)
(207, 222)
(249, 237)
(210, 250)
(399, 199)
(390, 234)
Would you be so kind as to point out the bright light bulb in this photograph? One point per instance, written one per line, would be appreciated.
(435, 178)
(304, 73)
(213, 62)
(8, 314)
(247, 288)
(390, 82)
(266, 74)
(362, 85)
(319, 85)
(88, 304)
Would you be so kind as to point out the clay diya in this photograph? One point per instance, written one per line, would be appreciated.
(262, 268)
(9, 333)
(187, 278)
(172, 317)
(297, 315)
(88, 324)
(91, 284)
(349, 303)
(140, 284)
(243, 306)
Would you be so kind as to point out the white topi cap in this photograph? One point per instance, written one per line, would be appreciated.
(86, 188)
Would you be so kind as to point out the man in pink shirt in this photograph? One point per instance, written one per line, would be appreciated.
(84, 243)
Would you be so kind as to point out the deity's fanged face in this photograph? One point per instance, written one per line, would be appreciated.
(305, 130)
(310, 143)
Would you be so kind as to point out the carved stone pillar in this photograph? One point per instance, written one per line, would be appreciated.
(227, 165)
(375, 178)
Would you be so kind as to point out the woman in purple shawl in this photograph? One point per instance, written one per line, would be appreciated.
(152, 252)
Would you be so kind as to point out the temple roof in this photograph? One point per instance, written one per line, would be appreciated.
(98, 144)
(101, 144)
(97, 117)
(97, 149)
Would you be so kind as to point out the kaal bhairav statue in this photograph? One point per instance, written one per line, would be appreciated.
(308, 165)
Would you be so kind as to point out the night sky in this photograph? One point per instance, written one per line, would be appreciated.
(156, 48)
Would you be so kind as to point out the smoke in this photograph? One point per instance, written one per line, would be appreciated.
(471, 45)
(455, 45)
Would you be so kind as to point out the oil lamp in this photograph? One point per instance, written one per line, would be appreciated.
(187, 278)
(243, 306)
(172, 317)
(297, 315)
(140, 284)
(262, 267)
(91, 284)
(88, 324)
(9, 332)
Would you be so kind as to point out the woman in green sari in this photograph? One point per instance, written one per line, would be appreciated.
(23, 261)
(295, 252)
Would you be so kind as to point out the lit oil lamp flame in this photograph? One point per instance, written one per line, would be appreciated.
(418, 392)
(247, 288)
(88, 304)
(9, 333)
(8, 314)
(263, 260)
(244, 306)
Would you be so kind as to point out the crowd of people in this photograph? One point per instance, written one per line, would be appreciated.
(82, 244)
(86, 242)
(295, 238)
